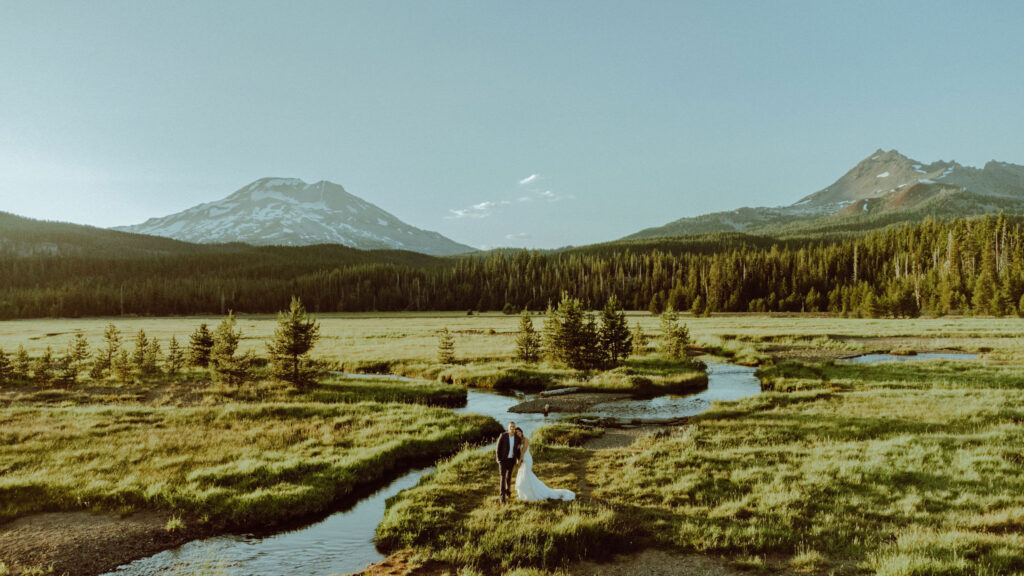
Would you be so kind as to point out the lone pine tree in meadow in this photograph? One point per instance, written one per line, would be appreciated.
(151, 358)
(445, 346)
(105, 356)
(615, 338)
(294, 337)
(571, 335)
(22, 364)
(122, 366)
(175, 357)
(227, 367)
(6, 368)
(528, 345)
(675, 336)
(78, 353)
(146, 355)
(43, 368)
(640, 339)
(199, 346)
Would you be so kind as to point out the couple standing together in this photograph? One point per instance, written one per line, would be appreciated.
(513, 448)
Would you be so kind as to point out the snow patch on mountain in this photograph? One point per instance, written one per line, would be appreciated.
(288, 211)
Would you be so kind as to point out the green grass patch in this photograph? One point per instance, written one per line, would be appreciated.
(649, 376)
(893, 469)
(561, 434)
(236, 465)
(454, 512)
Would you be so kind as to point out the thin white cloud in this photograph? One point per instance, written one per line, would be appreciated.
(488, 207)
(478, 210)
(519, 236)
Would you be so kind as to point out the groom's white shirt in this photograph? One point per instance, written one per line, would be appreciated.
(511, 446)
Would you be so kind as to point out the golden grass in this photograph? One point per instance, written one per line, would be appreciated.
(232, 465)
(412, 337)
(892, 469)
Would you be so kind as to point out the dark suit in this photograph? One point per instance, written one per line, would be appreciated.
(506, 463)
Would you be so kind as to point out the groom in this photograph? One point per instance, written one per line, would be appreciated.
(509, 452)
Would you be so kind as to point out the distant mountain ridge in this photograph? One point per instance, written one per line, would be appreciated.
(883, 188)
(290, 212)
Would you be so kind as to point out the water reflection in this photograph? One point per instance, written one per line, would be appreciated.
(725, 382)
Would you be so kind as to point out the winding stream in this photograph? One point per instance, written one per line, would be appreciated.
(725, 382)
(922, 357)
(343, 542)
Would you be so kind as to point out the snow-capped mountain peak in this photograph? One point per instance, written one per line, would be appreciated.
(288, 211)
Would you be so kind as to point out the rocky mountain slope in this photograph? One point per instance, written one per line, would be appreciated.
(883, 188)
(290, 212)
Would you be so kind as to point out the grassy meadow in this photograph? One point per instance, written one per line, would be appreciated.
(368, 340)
(897, 470)
(232, 465)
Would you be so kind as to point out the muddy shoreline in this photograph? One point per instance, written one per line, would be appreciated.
(87, 543)
(572, 403)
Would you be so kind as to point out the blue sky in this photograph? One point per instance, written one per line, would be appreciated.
(626, 114)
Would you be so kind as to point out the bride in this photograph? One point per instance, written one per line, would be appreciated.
(528, 486)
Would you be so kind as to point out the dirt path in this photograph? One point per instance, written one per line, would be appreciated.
(83, 543)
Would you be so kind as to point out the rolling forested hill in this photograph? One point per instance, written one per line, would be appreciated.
(969, 265)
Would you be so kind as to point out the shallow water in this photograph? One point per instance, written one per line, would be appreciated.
(922, 357)
(343, 542)
(725, 382)
(340, 544)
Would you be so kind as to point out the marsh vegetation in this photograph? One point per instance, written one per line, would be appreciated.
(887, 469)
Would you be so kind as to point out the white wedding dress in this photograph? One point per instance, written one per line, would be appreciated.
(531, 489)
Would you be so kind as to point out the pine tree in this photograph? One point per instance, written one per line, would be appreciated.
(549, 337)
(122, 366)
(641, 341)
(175, 357)
(294, 337)
(614, 335)
(698, 306)
(984, 293)
(104, 359)
(571, 335)
(592, 356)
(199, 346)
(43, 368)
(65, 369)
(78, 353)
(657, 304)
(6, 368)
(227, 367)
(139, 353)
(528, 345)
(151, 358)
(22, 364)
(445, 346)
(675, 336)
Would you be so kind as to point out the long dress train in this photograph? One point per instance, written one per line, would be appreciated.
(531, 489)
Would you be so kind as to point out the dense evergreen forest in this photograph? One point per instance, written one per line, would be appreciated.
(973, 265)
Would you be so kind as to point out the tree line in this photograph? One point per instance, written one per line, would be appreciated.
(145, 359)
(971, 265)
